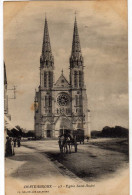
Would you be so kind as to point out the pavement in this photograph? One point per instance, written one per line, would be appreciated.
(29, 163)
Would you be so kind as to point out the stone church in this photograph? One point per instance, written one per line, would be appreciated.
(62, 105)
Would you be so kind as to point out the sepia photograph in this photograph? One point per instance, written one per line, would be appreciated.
(66, 109)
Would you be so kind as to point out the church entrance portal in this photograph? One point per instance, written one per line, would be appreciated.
(63, 125)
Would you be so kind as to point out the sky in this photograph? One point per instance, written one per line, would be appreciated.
(102, 29)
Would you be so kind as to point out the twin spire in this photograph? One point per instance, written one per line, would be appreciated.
(46, 55)
(76, 48)
(46, 47)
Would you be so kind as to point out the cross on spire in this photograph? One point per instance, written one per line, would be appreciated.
(62, 72)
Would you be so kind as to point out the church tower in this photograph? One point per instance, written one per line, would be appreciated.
(43, 98)
(46, 73)
(46, 61)
(78, 90)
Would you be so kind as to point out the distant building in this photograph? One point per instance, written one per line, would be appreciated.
(62, 105)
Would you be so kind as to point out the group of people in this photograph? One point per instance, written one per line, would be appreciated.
(11, 143)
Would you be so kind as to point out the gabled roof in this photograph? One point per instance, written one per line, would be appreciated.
(62, 82)
(78, 119)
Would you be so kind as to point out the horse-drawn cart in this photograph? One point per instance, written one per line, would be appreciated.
(79, 134)
(66, 143)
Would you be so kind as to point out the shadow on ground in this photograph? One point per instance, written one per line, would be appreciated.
(91, 166)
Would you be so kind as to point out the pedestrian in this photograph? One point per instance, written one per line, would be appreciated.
(12, 146)
(18, 142)
(14, 142)
(8, 147)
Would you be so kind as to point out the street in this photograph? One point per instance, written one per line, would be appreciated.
(41, 160)
(90, 163)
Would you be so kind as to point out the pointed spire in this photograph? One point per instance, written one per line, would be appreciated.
(5, 77)
(76, 48)
(46, 47)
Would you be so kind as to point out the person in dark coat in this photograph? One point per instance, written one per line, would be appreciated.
(8, 147)
(12, 147)
(14, 142)
(18, 142)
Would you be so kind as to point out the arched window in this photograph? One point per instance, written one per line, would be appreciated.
(75, 78)
(77, 100)
(50, 101)
(80, 100)
(50, 78)
(46, 101)
(80, 79)
(45, 79)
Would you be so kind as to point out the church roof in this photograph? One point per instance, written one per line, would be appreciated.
(62, 81)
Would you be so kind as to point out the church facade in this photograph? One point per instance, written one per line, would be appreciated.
(62, 105)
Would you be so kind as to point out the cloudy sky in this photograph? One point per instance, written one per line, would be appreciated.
(103, 36)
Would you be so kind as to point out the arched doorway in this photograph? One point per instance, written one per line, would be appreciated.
(48, 128)
(63, 125)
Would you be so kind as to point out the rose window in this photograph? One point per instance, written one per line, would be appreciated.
(63, 99)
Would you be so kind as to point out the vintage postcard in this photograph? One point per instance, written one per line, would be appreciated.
(66, 97)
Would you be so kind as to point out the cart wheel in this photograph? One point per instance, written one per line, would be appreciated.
(76, 148)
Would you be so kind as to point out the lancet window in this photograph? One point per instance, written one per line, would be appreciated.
(75, 79)
(45, 79)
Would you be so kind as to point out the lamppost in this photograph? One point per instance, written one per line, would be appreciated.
(89, 116)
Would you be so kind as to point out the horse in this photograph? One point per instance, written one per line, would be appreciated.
(71, 141)
(66, 142)
(63, 144)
